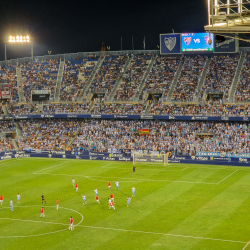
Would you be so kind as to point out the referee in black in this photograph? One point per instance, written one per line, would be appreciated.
(134, 167)
(43, 200)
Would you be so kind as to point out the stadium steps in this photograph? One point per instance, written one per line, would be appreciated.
(59, 80)
(111, 96)
(5, 110)
(90, 108)
(72, 140)
(236, 78)
(15, 144)
(148, 108)
(175, 80)
(202, 79)
(140, 88)
(92, 75)
(18, 130)
(40, 108)
(19, 84)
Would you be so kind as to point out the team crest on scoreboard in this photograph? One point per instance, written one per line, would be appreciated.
(187, 40)
(170, 42)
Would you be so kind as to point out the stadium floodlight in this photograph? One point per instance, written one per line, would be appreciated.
(228, 16)
(19, 39)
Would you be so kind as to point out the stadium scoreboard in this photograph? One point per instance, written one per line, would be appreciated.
(182, 43)
(197, 42)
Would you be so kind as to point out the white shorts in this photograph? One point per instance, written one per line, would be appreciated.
(1, 201)
(76, 189)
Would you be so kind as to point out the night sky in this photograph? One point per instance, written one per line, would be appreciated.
(81, 26)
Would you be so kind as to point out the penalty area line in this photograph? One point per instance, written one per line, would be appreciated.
(50, 167)
(227, 177)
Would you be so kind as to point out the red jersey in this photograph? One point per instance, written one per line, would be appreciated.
(42, 210)
(109, 184)
(112, 196)
(1, 198)
(112, 204)
(97, 197)
(71, 220)
(57, 202)
(76, 185)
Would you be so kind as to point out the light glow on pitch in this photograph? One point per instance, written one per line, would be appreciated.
(19, 39)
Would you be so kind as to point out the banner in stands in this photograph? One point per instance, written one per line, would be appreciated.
(228, 46)
(234, 161)
(5, 95)
(223, 154)
(143, 117)
(170, 43)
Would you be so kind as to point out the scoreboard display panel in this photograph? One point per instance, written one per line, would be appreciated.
(197, 42)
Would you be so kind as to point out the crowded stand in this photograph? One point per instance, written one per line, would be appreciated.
(15, 109)
(189, 78)
(7, 126)
(243, 89)
(173, 109)
(76, 75)
(180, 137)
(39, 75)
(6, 145)
(65, 108)
(47, 134)
(132, 78)
(230, 110)
(8, 81)
(162, 74)
(108, 73)
(114, 108)
(220, 75)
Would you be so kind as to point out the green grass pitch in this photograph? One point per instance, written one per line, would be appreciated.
(180, 206)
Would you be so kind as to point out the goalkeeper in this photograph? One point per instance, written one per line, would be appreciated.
(134, 167)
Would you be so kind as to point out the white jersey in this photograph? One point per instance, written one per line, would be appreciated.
(73, 181)
(117, 184)
(96, 192)
(18, 196)
(133, 190)
(11, 203)
(84, 197)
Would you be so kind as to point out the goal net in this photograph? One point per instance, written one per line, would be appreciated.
(153, 158)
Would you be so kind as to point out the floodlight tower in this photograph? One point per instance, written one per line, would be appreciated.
(228, 16)
(18, 40)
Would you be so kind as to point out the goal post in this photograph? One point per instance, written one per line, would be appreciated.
(153, 158)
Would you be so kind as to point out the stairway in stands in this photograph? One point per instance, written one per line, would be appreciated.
(59, 80)
(127, 64)
(236, 78)
(150, 66)
(19, 84)
(175, 80)
(92, 75)
(202, 79)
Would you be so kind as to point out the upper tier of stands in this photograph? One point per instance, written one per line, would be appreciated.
(133, 77)
(39, 76)
(161, 76)
(76, 75)
(77, 85)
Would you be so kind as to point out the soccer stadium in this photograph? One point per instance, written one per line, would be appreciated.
(130, 149)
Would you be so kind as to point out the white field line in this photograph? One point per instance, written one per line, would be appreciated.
(124, 230)
(7, 161)
(246, 245)
(106, 165)
(25, 236)
(184, 169)
(227, 176)
(148, 169)
(165, 234)
(50, 167)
